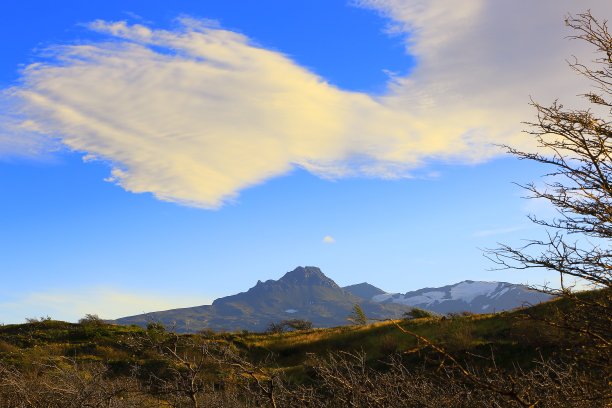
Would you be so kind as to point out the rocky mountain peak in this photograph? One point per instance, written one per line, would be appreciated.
(307, 275)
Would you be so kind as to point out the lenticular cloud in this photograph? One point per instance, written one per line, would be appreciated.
(196, 114)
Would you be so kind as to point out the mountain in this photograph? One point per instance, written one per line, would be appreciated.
(471, 296)
(364, 290)
(304, 293)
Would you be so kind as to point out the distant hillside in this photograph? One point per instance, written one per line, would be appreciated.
(304, 293)
(470, 296)
(514, 338)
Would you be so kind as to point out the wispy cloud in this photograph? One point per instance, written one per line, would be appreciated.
(500, 231)
(328, 239)
(108, 303)
(196, 114)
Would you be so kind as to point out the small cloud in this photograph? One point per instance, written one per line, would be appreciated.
(328, 239)
(137, 17)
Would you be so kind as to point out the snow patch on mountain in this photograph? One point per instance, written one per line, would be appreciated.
(426, 298)
(469, 290)
(383, 297)
(501, 292)
(473, 296)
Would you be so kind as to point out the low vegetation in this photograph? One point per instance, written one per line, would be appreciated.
(505, 359)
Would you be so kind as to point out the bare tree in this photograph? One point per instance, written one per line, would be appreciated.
(345, 379)
(577, 145)
(67, 383)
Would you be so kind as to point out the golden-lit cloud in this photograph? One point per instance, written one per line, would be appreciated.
(197, 114)
(479, 65)
(108, 303)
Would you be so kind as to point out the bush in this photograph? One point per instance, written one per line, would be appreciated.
(275, 328)
(297, 324)
(416, 313)
(358, 317)
(41, 319)
(206, 333)
(292, 324)
(156, 327)
(91, 320)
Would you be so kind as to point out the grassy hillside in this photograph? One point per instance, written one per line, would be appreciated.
(155, 367)
(510, 334)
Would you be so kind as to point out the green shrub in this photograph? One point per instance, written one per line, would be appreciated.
(416, 313)
(156, 327)
(91, 320)
(358, 317)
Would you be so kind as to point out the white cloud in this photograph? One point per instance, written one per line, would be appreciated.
(108, 303)
(329, 240)
(19, 137)
(480, 63)
(195, 115)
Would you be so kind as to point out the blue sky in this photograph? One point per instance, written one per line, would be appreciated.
(157, 155)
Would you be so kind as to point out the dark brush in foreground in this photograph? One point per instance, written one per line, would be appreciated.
(58, 364)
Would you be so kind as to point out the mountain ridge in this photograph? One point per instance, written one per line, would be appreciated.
(307, 293)
(467, 295)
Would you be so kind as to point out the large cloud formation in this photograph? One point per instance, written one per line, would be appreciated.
(195, 115)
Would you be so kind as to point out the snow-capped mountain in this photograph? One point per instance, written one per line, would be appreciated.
(307, 293)
(471, 296)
